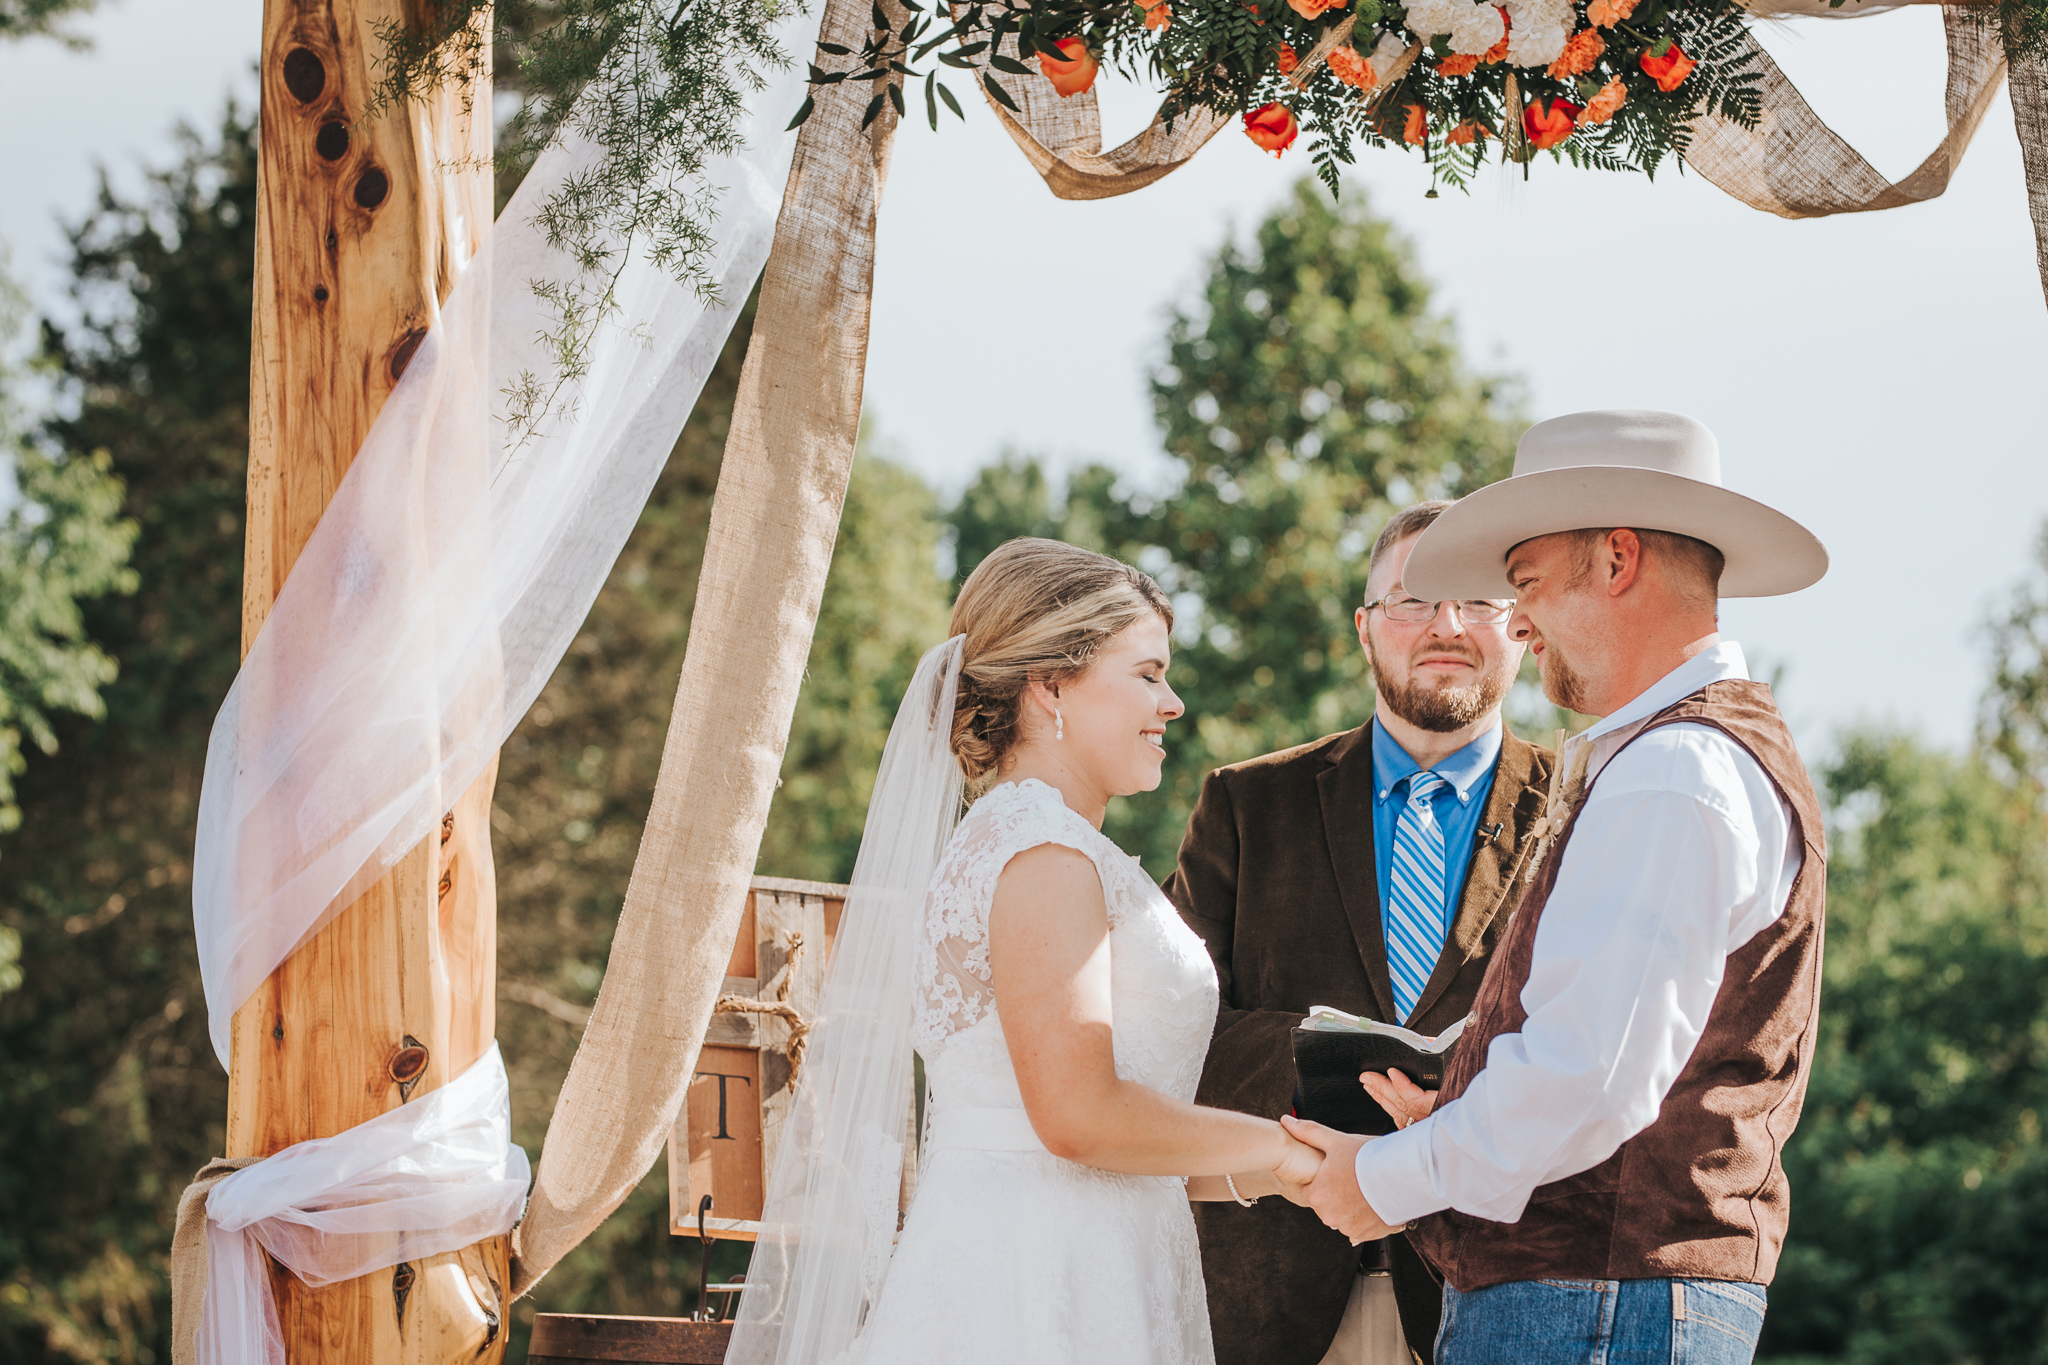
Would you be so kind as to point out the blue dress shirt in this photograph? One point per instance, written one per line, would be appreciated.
(1458, 807)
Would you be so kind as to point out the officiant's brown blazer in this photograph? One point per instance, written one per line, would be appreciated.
(1276, 873)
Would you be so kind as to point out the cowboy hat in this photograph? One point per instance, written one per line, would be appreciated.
(1653, 471)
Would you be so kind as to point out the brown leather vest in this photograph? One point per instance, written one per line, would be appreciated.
(1701, 1192)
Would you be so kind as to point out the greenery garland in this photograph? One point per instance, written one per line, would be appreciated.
(656, 85)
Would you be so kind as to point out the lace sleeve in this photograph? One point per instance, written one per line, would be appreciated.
(955, 988)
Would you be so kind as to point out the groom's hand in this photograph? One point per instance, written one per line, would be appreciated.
(1334, 1193)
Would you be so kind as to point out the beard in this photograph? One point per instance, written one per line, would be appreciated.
(1441, 710)
(1562, 683)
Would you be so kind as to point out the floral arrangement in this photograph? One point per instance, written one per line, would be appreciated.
(1613, 84)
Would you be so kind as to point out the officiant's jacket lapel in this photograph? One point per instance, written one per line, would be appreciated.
(1277, 874)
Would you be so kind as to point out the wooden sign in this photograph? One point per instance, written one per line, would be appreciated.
(727, 1136)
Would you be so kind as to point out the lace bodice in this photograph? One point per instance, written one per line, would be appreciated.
(1163, 987)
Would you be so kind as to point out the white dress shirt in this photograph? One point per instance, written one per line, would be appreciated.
(1680, 855)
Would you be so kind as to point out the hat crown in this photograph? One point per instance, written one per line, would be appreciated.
(1630, 438)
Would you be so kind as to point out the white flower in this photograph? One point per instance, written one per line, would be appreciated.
(1431, 17)
(1478, 29)
(1472, 27)
(1386, 52)
(1537, 36)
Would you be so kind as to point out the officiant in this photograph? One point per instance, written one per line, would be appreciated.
(1371, 871)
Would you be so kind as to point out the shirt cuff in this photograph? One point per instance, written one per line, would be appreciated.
(1394, 1175)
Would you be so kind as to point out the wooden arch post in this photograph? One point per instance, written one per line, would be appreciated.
(362, 226)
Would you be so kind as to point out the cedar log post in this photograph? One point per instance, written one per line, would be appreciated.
(361, 227)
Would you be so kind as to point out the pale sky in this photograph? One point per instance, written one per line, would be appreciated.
(1878, 376)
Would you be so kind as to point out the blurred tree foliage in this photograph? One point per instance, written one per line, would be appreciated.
(1306, 394)
(2014, 727)
(1919, 1173)
(109, 1094)
(39, 18)
(63, 542)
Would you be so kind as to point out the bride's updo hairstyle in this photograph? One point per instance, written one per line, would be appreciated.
(1034, 609)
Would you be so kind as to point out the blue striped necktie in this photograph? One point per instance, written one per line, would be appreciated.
(1415, 917)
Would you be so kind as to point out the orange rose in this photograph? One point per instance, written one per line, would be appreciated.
(1272, 126)
(1466, 133)
(1608, 13)
(1458, 64)
(1347, 66)
(1073, 74)
(1548, 126)
(1158, 17)
(1669, 70)
(1288, 61)
(1499, 51)
(1416, 128)
(1310, 9)
(1606, 104)
(1581, 51)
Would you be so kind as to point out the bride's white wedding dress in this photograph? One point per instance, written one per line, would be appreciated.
(1009, 1253)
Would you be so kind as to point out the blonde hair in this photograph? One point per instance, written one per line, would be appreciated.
(1034, 609)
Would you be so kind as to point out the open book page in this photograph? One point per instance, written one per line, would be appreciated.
(1325, 1019)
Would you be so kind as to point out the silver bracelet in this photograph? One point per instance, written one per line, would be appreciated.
(1242, 1201)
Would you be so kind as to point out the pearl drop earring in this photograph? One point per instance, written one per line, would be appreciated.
(1059, 724)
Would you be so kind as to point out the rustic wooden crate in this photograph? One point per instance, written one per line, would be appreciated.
(585, 1339)
(729, 1130)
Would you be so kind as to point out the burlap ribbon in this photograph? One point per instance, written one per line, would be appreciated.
(189, 1258)
(773, 521)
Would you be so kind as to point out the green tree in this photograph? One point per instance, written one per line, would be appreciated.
(39, 18)
(2014, 727)
(1010, 498)
(63, 541)
(1306, 393)
(1919, 1174)
(109, 1094)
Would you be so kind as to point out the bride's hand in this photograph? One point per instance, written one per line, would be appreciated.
(1296, 1170)
(1402, 1098)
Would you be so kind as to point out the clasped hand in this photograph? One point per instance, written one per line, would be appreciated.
(1332, 1188)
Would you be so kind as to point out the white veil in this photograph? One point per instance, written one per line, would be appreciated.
(829, 1222)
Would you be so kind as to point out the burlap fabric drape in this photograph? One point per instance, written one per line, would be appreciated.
(2030, 114)
(774, 518)
(1794, 165)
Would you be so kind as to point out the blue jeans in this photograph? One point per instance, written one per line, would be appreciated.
(1602, 1322)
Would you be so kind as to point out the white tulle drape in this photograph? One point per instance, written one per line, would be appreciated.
(829, 1223)
(457, 560)
(431, 1176)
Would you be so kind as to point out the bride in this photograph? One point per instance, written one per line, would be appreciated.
(1060, 1006)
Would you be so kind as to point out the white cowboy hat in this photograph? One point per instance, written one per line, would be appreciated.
(1654, 471)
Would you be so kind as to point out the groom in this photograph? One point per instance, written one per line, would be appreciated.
(1601, 1176)
(1288, 872)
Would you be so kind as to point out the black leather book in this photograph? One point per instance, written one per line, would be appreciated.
(1331, 1048)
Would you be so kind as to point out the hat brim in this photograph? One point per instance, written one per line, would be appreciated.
(1464, 552)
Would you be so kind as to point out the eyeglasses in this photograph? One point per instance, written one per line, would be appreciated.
(1473, 612)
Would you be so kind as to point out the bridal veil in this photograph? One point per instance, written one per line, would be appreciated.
(829, 1222)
